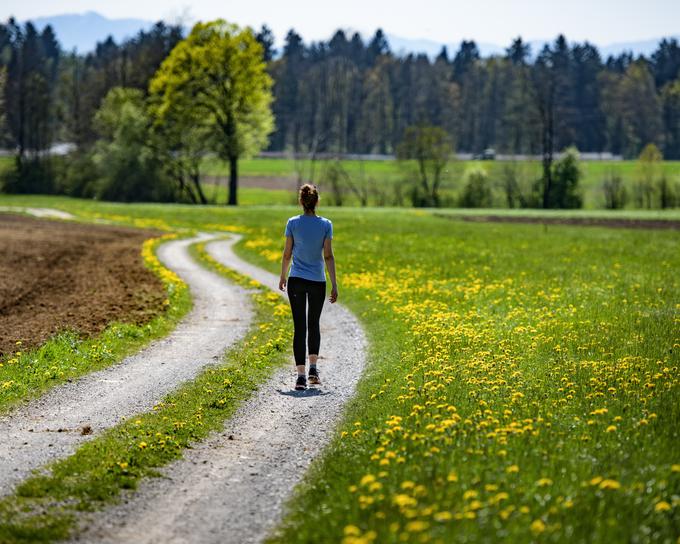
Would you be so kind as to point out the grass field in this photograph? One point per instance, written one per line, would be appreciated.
(384, 174)
(522, 385)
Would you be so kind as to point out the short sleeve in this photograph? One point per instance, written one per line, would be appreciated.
(329, 230)
(288, 231)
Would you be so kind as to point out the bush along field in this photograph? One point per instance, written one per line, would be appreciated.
(522, 381)
(27, 373)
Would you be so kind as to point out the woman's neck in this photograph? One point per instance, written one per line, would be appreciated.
(310, 213)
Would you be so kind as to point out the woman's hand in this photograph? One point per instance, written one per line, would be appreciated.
(282, 283)
(334, 294)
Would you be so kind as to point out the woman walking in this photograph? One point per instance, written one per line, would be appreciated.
(308, 244)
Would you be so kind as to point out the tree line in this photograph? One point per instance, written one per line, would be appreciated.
(344, 95)
(142, 114)
(351, 96)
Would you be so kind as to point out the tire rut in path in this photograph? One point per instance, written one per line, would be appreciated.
(231, 487)
(48, 428)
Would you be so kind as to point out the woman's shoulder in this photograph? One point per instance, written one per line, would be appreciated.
(324, 219)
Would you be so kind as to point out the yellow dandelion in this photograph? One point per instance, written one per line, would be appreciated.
(404, 500)
(662, 506)
(443, 516)
(352, 530)
(416, 526)
(537, 527)
(368, 479)
(609, 484)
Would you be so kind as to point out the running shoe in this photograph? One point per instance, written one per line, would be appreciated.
(314, 376)
(301, 383)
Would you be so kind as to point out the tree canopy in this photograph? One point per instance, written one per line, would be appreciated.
(216, 79)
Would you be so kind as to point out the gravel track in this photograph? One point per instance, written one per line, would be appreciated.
(50, 213)
(231, 487)
(49, 427)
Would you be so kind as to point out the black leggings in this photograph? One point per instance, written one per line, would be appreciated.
(300, 291)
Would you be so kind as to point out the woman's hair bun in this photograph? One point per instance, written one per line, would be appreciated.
(309, 196)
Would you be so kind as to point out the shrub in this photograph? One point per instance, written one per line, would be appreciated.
(477, 190)
(615, 194)
(34, 175)
(566, 174)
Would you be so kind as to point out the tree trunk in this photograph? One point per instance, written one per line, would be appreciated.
(196, 179)
(185, 188)
(233, 180)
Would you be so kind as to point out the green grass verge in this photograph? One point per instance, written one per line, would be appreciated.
(67, 355)
(44, 507)
(171, 216)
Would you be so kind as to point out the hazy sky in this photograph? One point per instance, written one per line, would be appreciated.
(496, 21)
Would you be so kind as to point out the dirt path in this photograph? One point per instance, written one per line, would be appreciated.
(232, 486)
(38, 212)
(610, 222)
(49, 427)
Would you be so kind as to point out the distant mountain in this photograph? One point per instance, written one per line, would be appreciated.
(82, 31)
(432, 48)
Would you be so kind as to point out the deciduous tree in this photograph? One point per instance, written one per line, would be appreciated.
(217, 77)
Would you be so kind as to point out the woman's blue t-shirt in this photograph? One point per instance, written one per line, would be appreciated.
(309, 233)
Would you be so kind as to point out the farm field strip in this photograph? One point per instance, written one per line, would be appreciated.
(51, 426)
(231, 487)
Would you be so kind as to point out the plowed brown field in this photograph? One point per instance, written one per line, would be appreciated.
(58, 275)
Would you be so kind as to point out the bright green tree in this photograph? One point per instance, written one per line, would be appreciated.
(216, 77)
(128, 167)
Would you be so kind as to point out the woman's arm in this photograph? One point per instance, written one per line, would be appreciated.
(330, 265)
(285, 262)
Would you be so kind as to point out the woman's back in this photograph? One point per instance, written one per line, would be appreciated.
(309, 233)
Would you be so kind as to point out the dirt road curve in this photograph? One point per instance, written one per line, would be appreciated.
(220, 317)
(231, 487)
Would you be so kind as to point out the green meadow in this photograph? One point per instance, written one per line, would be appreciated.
(522, 381)
(383, 176)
